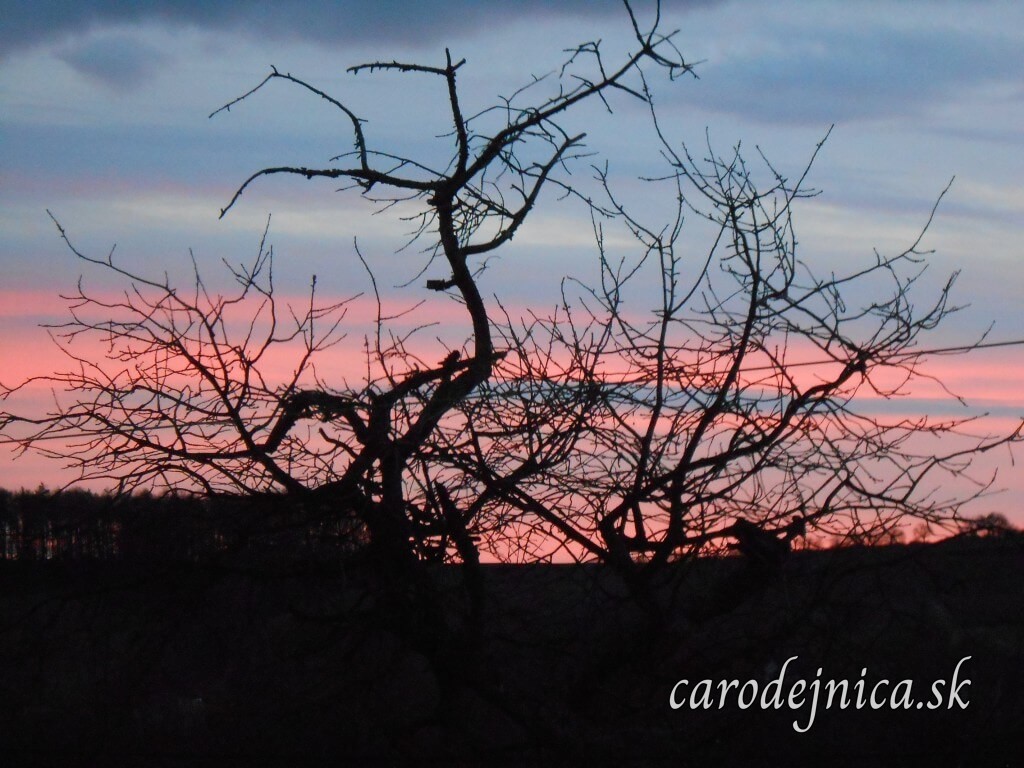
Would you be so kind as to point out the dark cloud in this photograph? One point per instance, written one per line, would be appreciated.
(117, 61)
(409, 22)
(823, 75)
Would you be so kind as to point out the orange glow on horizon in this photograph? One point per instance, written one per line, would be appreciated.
(988, 379)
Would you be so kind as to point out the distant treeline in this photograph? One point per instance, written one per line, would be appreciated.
(81, 525)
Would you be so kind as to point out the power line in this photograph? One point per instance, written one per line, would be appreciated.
(902, 355)
(968, 348)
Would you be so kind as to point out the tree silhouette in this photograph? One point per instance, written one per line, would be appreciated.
(685, 402)
(595, 432)
(730, 415)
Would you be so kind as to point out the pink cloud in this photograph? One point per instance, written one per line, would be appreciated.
(989, 378)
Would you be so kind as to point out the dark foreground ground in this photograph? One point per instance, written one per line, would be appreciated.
(109, 663)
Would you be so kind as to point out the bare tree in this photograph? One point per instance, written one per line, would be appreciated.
(725, 413)
(182, 400)
(731, 415)
(596, 431)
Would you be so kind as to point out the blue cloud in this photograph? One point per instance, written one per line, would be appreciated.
(409, 22)
(816, 75)
(118, 61)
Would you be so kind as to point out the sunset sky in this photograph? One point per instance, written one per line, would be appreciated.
(104, 120)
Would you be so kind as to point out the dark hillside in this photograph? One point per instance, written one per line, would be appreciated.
(179, 663)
